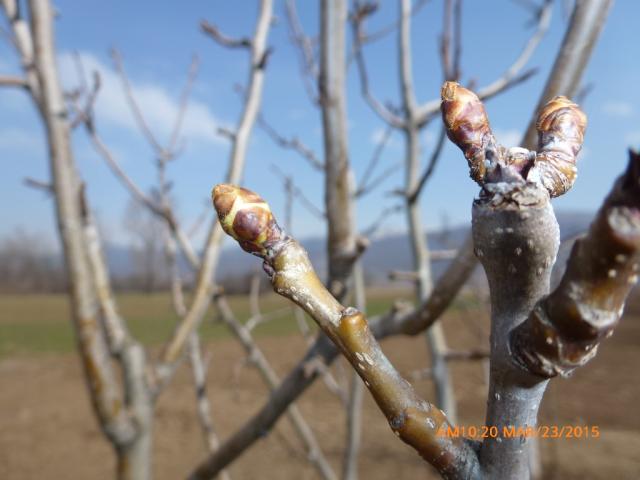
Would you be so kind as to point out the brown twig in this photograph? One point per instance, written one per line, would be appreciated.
(13, 81)
(304, 45)
(248, 219)
(42, 185)
(299, 194)
(173, 349)
(511, 77)
(375, 159)
(385, 113)
(222, 39)
(292, 143)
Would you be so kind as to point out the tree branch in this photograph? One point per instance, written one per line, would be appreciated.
(222, 39)
(339, 208)
(413, 419)
(357, 26)
(102, 380)
(270, 377)
(303, 44)
(564, 329)
(13, 81)
(513, 75)
(322, 353)
(172, 350)
(583, 31)
(292, 143)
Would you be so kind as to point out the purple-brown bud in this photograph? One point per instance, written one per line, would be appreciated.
(245, 216)
(468, 126)
(561, 125)
(564, 330)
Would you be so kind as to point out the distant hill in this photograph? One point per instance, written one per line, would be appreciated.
(392, 252)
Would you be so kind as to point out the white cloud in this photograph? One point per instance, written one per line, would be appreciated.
(508, 138)
(617, 108)
(158, 106)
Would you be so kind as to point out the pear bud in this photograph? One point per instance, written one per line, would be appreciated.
(467, 126)
(561, 125)
(245, 216)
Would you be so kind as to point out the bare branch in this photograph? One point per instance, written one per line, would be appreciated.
(222, 39)
(226, 133)
(431, 165)
(399, 320)
(513, 75)
(270, 377)
(123, 426)
(308, 63)
(354, 428)
(300, 195)
(442, 294)
(42, 185)
(199, 221)
(339, 206)
(451, 20)
(173, 349)
(377, 181)
(400, 275)
(582, 33)
(13, 81)
(385, 214)
(382, 32)
(182, 107)
(375, 159)
(131, 100)
(23, 41)
(292, 143)
(383, 112)
(414, 420)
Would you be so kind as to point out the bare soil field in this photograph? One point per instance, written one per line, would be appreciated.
(47, 429)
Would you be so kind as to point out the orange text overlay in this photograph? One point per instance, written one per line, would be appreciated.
(513, 431)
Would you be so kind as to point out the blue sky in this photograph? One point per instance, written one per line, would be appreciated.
(158, 39)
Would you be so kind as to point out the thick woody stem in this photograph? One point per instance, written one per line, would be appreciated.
(565, 329)
(414, 420)
(342, 246)
(68, 190)
(322, 353)
(516, 238)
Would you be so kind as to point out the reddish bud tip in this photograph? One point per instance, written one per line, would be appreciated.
(561, 126)
(245, 216)
(467, 126)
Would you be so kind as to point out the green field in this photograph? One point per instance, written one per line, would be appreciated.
(41, 323)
